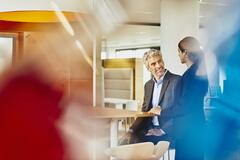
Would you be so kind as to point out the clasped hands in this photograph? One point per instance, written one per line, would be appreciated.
(155, 132)
(155, 110)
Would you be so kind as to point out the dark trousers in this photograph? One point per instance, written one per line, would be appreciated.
(154, 139)
(141, 137)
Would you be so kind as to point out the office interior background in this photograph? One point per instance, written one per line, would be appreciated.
(94, 49)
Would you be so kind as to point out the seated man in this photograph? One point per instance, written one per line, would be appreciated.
(159, 97)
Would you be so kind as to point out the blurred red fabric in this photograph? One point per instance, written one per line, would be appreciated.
(29, 110)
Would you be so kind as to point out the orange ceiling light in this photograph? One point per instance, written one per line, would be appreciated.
(36, 16)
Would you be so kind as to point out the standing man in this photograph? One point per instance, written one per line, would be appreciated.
(159, 98)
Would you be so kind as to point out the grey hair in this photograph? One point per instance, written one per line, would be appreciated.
(149, 54)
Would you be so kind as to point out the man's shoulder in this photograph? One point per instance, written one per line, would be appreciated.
(150, 81)
(171, 75)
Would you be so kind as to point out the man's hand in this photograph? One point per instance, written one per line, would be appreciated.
(155, 110)
(155, 132)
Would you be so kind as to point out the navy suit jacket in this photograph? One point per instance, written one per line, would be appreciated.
(167, 100)
(189, 119)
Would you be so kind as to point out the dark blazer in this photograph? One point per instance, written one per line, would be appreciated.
(189, 112)
(167, 99)
(189, 117)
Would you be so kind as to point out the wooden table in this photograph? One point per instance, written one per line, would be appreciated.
(114, 115)
(111, 117)
(92, 129)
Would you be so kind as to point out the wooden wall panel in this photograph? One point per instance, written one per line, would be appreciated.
(59, 52)
(118, 83)
(51, 44)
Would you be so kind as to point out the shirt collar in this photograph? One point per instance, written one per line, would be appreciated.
(161, 79)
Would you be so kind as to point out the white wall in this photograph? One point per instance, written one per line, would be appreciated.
(6, 45)
(179, 18)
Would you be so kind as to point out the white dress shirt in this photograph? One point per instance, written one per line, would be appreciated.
(156, 96)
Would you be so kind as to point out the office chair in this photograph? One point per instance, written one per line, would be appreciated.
(139, 151)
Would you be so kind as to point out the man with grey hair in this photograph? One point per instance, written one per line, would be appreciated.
(160, 94)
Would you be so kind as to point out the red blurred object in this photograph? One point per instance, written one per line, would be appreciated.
(29, 110)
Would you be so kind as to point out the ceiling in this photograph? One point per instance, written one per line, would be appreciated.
(143, 25)
(28, 5)
(141, 28)
(147, 11)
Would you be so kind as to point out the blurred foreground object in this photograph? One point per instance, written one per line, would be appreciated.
(29, 109)
(224, 108)
(30, 112)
